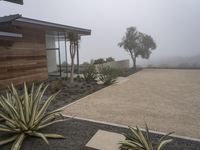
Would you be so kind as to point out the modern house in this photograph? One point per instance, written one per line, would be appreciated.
(30, 49)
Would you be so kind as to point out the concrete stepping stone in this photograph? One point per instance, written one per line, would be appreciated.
(104, 140)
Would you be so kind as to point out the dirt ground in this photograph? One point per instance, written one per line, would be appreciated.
(167, 100)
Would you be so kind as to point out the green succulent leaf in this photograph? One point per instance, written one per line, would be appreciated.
(18, 101)
(8, 140)
(53, 136)
(148, 137)
(4, 116)
(17, 144)
(165, 136)
(48, 117)
(41, 135)
(130, 144)
(162, 144)
(5, 128)
(26, 103)
(10, 107)
(36, 103)
(137, 140)
(48, 124)
(45, 106)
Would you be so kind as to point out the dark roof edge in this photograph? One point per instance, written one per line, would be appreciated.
(54, 25)
(15, 1)
(19, 18)
(10, 18)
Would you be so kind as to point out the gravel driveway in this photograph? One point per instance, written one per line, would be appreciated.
(166, 99)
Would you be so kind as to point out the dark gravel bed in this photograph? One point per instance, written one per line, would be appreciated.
(70, 92)
(78, 133)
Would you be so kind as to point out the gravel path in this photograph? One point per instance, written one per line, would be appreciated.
(167, 100)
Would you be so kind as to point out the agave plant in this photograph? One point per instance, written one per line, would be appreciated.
(24, 115)
(90, 73)
(137, 140)
(107, 74)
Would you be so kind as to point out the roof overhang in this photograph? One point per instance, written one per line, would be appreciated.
(10, 34)
(49, 27)
(15, 1)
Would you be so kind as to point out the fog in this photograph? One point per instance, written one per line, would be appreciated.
(173, 24)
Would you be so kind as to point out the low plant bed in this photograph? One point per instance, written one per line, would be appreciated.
(79, 89)
(70, 92)
(127, 72)
(78, 132)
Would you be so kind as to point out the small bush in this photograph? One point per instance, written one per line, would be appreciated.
(90, 73)
(110, 59)
(107, 75)
(85, 64)
(25, 116)
(99, 61)
(56, 85)
(126, 72)
(137, 140)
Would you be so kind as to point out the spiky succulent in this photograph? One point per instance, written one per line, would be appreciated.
(137, 140)
(107, 74)
(90, 73)
(24, 115)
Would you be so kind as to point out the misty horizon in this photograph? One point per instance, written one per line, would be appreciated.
(173, 24)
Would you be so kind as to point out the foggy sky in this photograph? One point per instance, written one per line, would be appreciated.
(174, 24)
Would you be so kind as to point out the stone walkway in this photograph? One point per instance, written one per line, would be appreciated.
(167, 100)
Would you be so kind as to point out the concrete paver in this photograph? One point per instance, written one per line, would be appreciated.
(104, 140)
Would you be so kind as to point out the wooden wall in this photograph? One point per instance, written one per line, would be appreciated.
(23, 59)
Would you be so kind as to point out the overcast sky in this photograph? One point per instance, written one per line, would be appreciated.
(174, 24)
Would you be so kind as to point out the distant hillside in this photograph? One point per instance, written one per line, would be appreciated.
(177, 62)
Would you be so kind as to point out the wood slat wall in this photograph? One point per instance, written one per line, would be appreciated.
(23, 60)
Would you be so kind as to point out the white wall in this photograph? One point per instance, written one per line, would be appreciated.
(51, 54)
(121, 64)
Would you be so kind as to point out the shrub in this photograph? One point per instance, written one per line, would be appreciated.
(99, 61)
(85, 64)
(109, 59)
(107, 75)
(138, 140)
(25, 116)
(90, 73)
(56, 85)
(127, 71)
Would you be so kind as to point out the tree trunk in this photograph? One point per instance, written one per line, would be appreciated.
(134, 63)
(78, 67)
(72, 53)
(134, 60)
(72, 71)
